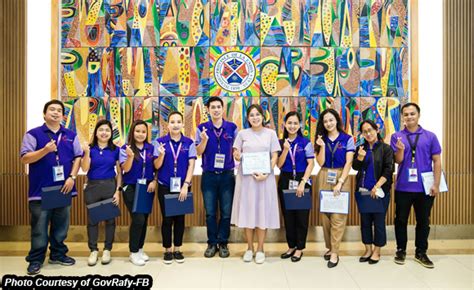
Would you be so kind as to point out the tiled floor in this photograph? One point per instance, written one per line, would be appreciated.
(452, 271)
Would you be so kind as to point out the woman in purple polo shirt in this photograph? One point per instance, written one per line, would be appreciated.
(296, 162)
(101, 162)
(175, 164)
(335, 150)
(136, 159)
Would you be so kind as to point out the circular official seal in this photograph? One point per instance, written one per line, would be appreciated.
(234, 71)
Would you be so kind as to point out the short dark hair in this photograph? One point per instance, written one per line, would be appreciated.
(260, 111)
(411, 105)
(175, 113)
(52, 102)
(214, 99)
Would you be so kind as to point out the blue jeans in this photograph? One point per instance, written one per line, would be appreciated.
(39, 220)
(218, 188)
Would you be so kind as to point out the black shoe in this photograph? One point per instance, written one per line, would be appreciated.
(327, 256)
(372, 261)
(210, 251)
(178, 256)
(400, 256)
(424, 261)
(331, 264)
(364, 259)
(296, 259)
(65, 261)
(33, 268)
(168, 257)
(223, 251)
(287, 255)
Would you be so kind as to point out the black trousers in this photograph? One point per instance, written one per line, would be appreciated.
(172, 228)
(377, 236)
(422, 204)
(96, 191)
(296, 221)
(137, 232)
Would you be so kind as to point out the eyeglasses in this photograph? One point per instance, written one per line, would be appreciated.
(367, 132)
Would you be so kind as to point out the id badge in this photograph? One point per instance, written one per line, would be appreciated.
(293, 185)
(141, 181)
(219, 161)
(412, 175)
(58, 173)
(175, 184)
(332, 177)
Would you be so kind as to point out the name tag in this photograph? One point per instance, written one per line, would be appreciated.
(141, 181)
(332, 177)
(175, 184)
(219, 161)
(412, 175)
(293, 185)
(58, 173)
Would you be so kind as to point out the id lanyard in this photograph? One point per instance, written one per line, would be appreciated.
(144, 163)
(175, 157)
(293, 160)
(413, 148)
(57, 146)
(369, 162)
(218, 135)
(333, 151)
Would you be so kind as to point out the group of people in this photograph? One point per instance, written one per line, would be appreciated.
(249, 201)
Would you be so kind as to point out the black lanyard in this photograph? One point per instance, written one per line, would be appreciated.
(413, 147)
(333, 151)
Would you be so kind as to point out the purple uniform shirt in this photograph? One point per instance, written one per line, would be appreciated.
(41, 172)
(304, 151)
(187, 151)
(344, 143)
(103, 163)
(228, 131)
(136, 172)
(428, 145)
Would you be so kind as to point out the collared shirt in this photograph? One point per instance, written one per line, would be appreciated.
(428, 145)
(41, 172)
(187, 151)
(136, 172)
(228, 132)
(103, 162)
(342, 144)
(304, 151)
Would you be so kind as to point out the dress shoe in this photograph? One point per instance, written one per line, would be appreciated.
(372, 261)
(364, 259)
(327, 256)
(287, 255)
(296, 259)
(331, 264)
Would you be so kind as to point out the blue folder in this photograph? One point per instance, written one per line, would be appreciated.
(367, 204)
(175, 207)
(143, 201)
(103, 210)
(292, 201)
(52, 197)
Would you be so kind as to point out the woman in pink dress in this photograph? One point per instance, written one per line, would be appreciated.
(255, 205)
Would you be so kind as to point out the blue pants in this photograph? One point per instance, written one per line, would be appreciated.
(218, 190)
(40, 220)
(377, 236)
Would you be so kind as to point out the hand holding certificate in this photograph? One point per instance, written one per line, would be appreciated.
(330, 203)
(428, 181)
(256, 162)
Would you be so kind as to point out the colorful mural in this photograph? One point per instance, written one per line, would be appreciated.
(141, 59)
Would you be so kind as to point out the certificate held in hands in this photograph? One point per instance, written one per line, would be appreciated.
(334, 204)
(52, 197)
(293, 202)
(103, 210)
(143, 201)
(174, 207)
(256, 162)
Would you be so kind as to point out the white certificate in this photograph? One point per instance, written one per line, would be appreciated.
(329, 203)
(256, 162)
(428, 181)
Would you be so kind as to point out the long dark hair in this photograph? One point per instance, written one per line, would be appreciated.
(260, 111)
(131, 139)
(321, 130)
(373, 125)
(287, 116)
(95, 141)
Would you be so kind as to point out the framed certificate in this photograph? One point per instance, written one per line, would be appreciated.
(334, 204)
(256, 162)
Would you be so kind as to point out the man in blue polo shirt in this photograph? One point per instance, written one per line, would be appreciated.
(416, 151)
(214, 140)
(53, 155)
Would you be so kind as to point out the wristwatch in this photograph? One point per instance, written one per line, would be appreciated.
(188, 183)
(73, 177)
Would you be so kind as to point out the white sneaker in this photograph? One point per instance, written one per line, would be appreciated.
(136, 259)
(92, 258)
(143, 255)
(248, 255)
(259, 257)
(105, 257)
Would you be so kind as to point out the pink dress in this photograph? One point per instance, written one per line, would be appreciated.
(256, 202)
